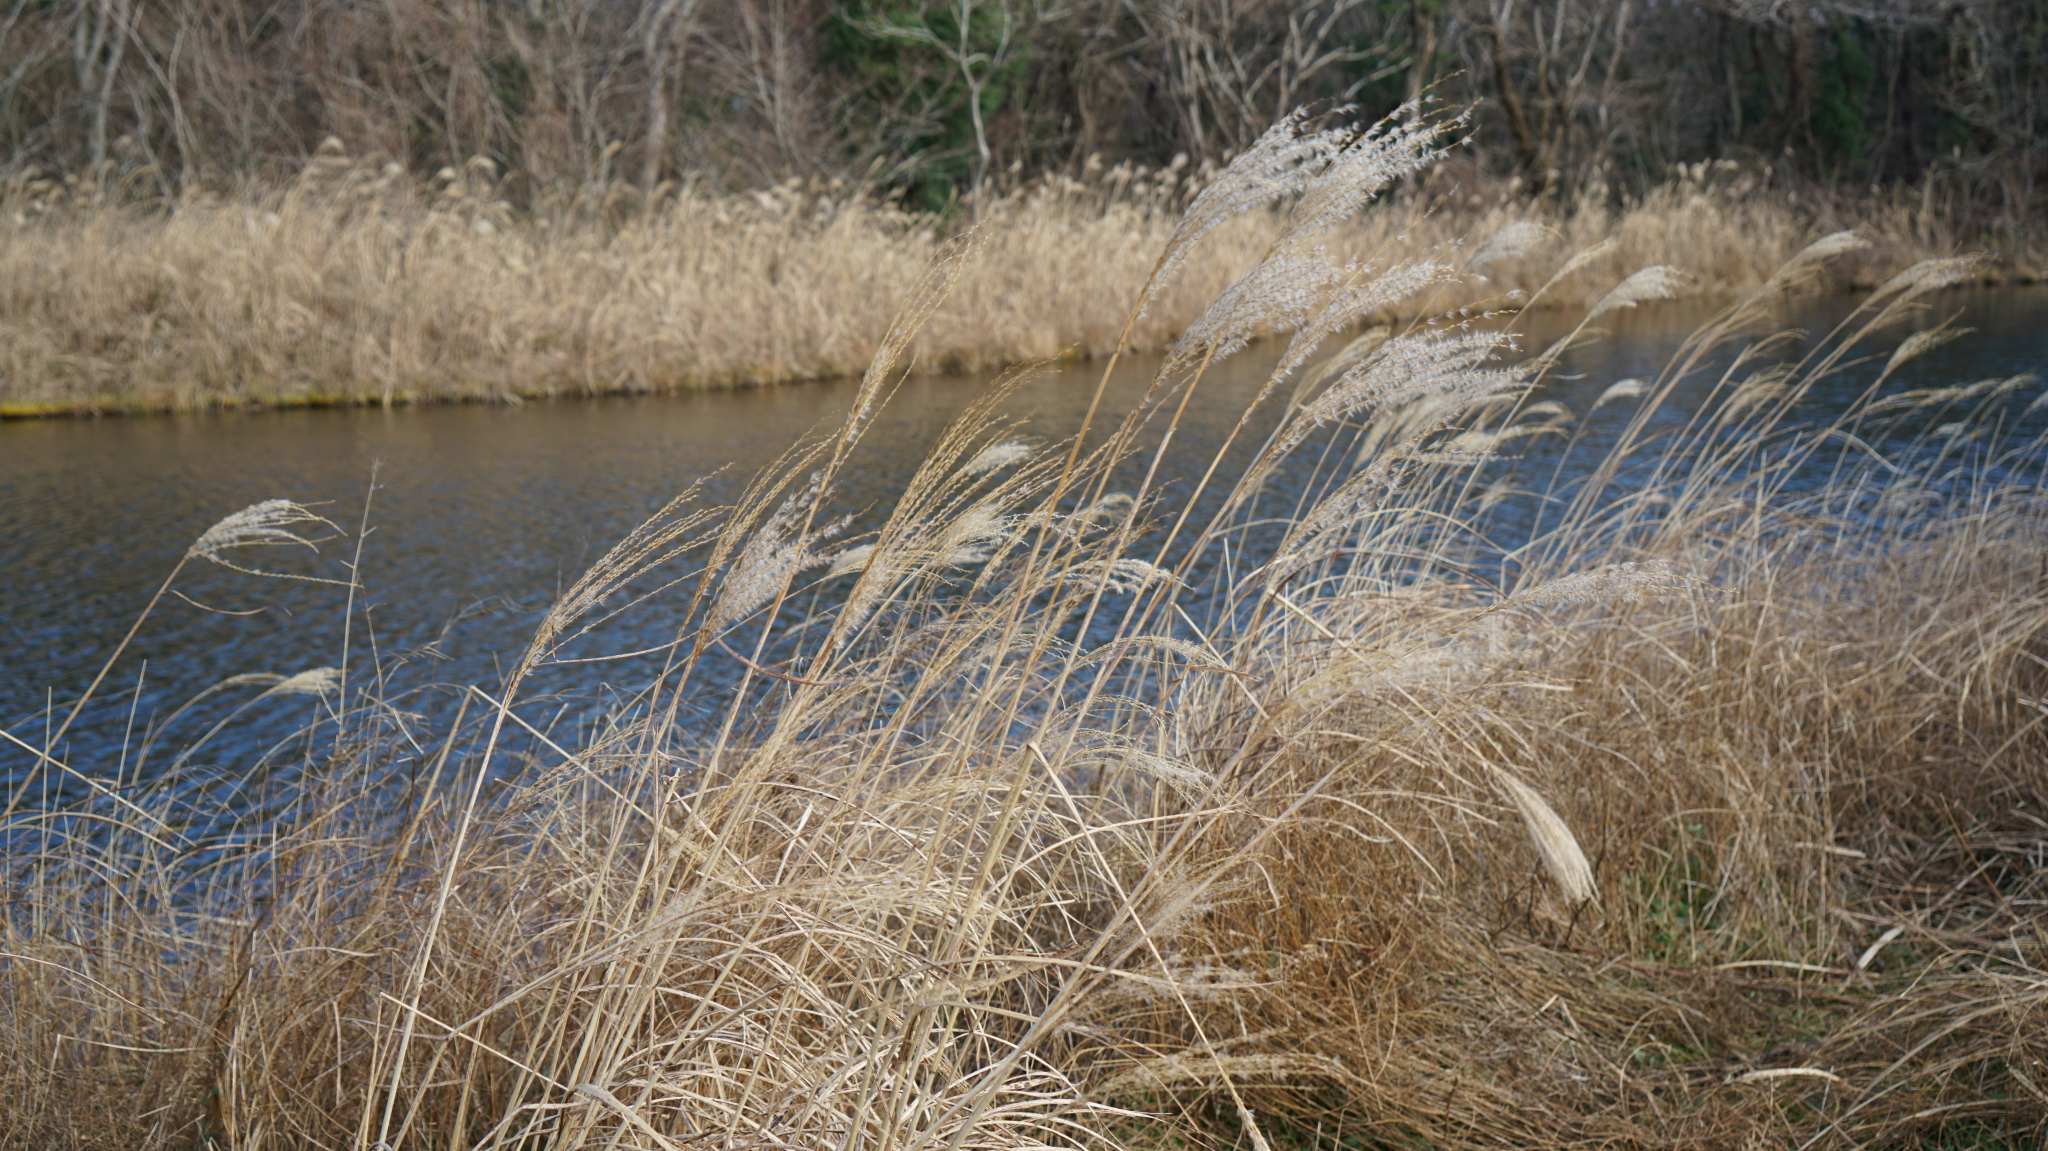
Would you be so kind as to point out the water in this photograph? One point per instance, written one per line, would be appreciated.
(480, 515)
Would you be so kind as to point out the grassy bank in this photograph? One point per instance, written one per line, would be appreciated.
(358, 285)
(1711, 817)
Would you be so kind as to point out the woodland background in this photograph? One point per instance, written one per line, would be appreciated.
(933, 98)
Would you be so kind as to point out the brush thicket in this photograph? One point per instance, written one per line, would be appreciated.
(1044, 814)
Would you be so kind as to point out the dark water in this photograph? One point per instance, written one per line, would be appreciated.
(480, 515)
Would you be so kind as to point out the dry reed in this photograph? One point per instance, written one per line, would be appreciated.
(1715, 824)
(358, 284)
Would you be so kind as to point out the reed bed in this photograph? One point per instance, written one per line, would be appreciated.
(362, 284)
(1049, 815)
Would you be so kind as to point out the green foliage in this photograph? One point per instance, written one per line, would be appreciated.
(1682, 901)
(912, 99)
(1841, 104)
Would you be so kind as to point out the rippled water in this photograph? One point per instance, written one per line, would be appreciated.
(481, 514)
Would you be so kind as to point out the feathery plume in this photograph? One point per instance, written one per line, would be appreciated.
(1346, 305)
(1585, 256)
(851, 559)
(319, 681)
(259, 525)
(1330, 522)
(1759, 389)
(773, 554)
(1620, 390)
(1923, 341)
(1482, 444)
(1656, 282)
(1562, 856)
(1280, 294)
(1411, 365)
(1401, 143)
(1281, 161)
(997, 456)
(1122, 575)
(1632, 581)
(1514, 240)
(1828, 246)
(1928, 275)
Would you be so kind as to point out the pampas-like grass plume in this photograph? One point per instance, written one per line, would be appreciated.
(1658, 282)
(265, 524)
(1511, 241)
(1613, 583)
(320, 681)
(1562, 856)
(772, 555)
(1280, 294)
(1620, 390)
(997, 456)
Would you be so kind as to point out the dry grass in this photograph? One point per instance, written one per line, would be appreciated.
(359, 285)
(1042, 832)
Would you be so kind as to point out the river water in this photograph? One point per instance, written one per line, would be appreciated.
(480, 515)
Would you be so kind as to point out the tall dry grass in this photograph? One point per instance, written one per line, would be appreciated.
(359, 284)
(1048, 815)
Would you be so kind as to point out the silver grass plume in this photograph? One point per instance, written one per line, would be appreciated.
(1562, 856)
(1928, 275)
(1116, 649)
(1756, 391)
(1108, 510)
(773, 554)
(1806, 262)
(1477, 444)
(919, 304)
(1280, 294)
(1516, 239)
(997, 456)
(1657, 282)
(1585, 256)
(1556, 410)
(1185, 779)
(662, 537)
(1280, 162)
(263, 524)
(319, 681)
(1922, 342)
(1628, 582)
(1121, 575)
(1830, 245)
(1410, 365)
(1620, 390)
(1346, 305)
(1401, 143)
(968, 538)
(1326, 525)
(1931, 397)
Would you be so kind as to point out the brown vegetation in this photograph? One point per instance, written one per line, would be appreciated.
(356, 285)
(1716, 824)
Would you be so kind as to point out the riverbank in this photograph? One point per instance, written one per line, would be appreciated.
(360, 286)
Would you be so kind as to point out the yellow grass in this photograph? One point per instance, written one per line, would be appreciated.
(358, 285)
(1714, 823)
